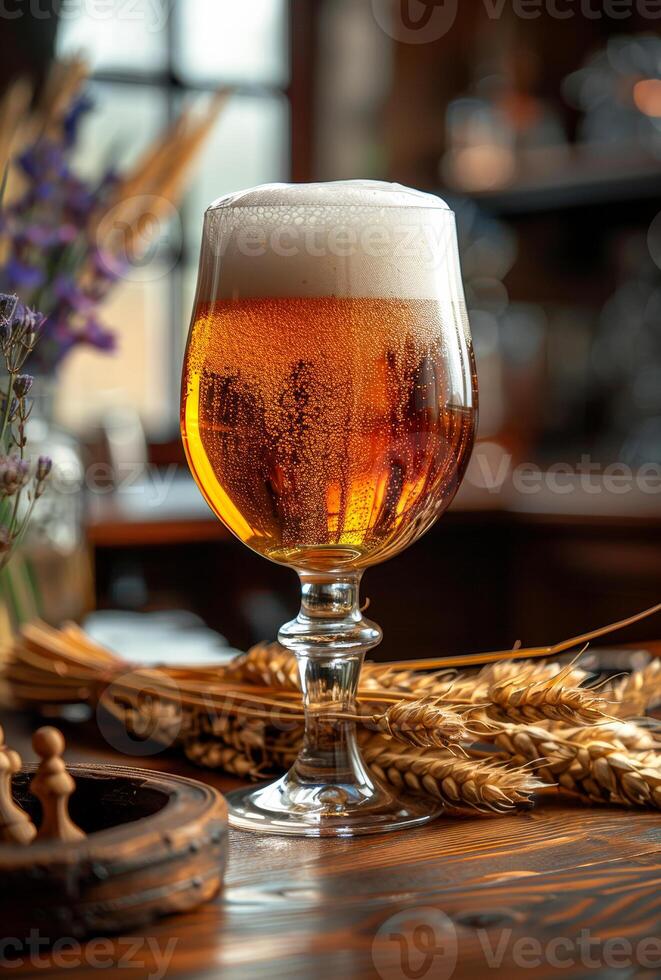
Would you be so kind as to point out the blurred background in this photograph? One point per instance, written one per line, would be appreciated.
(540, 123)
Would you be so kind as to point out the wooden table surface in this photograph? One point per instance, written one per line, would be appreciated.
(564, 889)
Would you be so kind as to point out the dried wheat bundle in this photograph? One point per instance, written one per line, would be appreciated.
(460, 784)
(144, 198)
(594, 768)
(21, 123)
(247, 717)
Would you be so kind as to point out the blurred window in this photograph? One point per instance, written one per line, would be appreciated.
(148, 58)
(242, 42)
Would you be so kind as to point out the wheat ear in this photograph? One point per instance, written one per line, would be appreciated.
(625, 735)
(595, 769)
(425, 723)
(634, 694)
(268, 664)
(547, 698)
(213, 754)
(458, 783)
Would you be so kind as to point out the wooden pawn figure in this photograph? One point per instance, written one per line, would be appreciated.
(53, 785)
(15, 825)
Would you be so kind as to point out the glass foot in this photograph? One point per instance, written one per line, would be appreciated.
(286, 807)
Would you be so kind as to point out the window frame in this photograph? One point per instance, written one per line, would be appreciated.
(298, 92)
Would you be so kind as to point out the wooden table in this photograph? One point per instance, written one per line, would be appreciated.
(563, 889)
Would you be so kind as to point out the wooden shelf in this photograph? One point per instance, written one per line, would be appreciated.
(582, 177)
(133, 519)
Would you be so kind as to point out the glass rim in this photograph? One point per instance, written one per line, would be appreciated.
(221, 204)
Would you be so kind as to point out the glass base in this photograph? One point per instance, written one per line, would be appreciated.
(286, 807)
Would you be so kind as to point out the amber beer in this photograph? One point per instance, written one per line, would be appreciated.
(323, 431)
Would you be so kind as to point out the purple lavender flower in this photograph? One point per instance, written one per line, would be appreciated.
(14, 474)
(78, 108)
(28, 320)
(39, 235)
(7, 312)
(44, 159)
(44, 466)
(69, 292)
(95, 334)
(22, 385)
(107, 268)
(80, 202)
(52, 253)
(21, 276)
(8, 304)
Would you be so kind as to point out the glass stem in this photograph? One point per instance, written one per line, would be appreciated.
(330, 637)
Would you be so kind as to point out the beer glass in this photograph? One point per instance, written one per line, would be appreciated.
(328, 413)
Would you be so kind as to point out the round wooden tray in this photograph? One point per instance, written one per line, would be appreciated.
(156, 844)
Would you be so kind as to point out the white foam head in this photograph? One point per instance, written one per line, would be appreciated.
(338, 193)
(354, 238)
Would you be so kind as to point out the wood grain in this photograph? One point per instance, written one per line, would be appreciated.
(118, 874)
(312, 908)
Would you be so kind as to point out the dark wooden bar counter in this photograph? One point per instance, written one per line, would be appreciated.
(563, 889)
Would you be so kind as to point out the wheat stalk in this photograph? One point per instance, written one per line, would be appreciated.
(523, 653)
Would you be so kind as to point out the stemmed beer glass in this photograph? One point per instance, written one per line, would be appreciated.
(328, 414)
